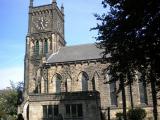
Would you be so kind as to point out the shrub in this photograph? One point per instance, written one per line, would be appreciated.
(136, 114)
(119, 116)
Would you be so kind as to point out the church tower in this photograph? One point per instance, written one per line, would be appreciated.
(45, 37)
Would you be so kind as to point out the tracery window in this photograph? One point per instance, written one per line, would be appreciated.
(113, 95)
(95, 81)
(57, 79)
(112, 88)
(142, 89)
(83, 78)
(68, 84)
(58, 83)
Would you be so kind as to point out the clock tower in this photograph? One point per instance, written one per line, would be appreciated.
(45, 37)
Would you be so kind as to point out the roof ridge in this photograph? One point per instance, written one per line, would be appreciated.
(53, 54)
(80, 45)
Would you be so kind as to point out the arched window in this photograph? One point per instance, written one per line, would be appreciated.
(113, 95)
(68, 84)
(45, 46)
(83, 79)
(58, 83)
(38, 87)
(95, 81)
(37, 48)
(57, 79)
(50, 46)
(112, 89)
(142, 89)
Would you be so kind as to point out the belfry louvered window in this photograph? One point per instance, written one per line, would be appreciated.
(50, 46)
(45, 46)
(37, 48)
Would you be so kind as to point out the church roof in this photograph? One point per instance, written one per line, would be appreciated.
(76, 53)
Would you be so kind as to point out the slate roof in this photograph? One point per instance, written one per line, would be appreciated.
(76, 53)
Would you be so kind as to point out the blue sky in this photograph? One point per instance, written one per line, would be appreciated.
(79, 19)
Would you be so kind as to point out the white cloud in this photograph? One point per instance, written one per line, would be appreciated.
(14, 74)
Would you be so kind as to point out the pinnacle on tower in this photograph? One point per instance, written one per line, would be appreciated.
(62, 8)
(31, 3)
(54, 1)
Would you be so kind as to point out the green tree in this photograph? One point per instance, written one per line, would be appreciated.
(9, 98)
(129, 31)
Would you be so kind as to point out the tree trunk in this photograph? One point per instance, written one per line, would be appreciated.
(122, 87)
(131, 96)
(154, 95)
(130, 89)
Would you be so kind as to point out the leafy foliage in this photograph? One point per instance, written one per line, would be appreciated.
(129, 32)
(136, 114)
(133, 114)
(8, 101)
(119, 116)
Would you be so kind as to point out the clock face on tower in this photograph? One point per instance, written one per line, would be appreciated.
(41, 23)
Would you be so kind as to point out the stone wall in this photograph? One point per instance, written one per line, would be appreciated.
(88, 101)
(71, 73)
(96, 69)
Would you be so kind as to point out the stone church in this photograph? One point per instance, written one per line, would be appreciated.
(68, 82)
